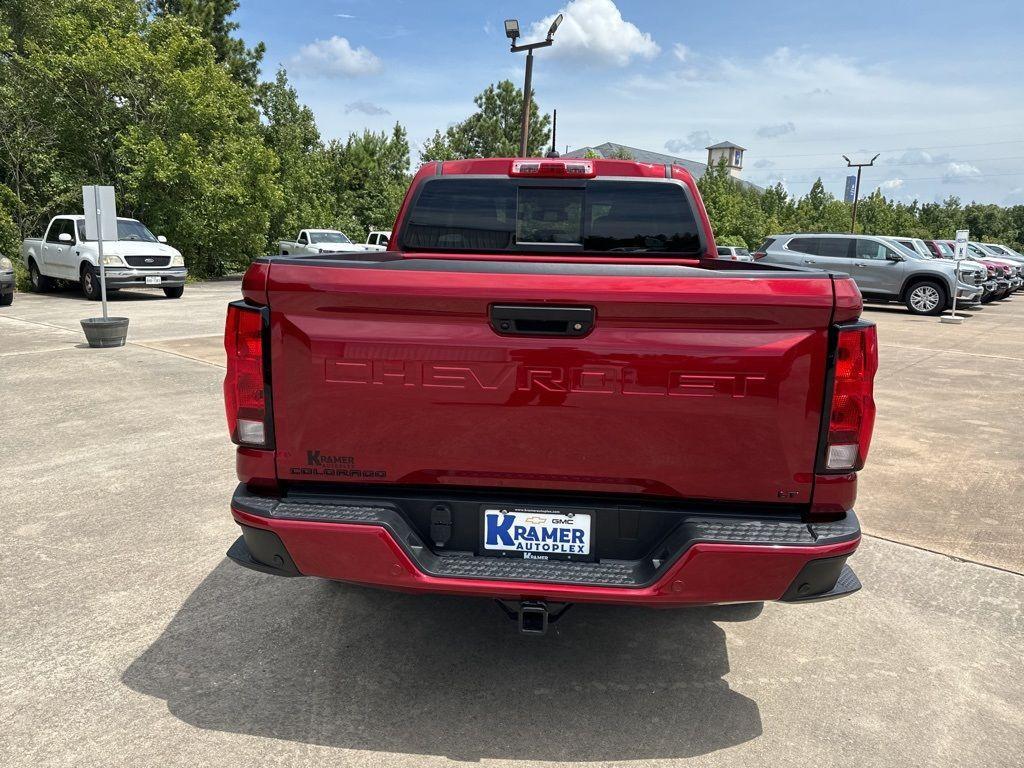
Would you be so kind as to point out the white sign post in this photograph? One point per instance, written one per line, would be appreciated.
(959, 254)
(100, 225)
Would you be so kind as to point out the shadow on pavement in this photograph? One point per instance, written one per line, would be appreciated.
(899, 309)
(342, 666)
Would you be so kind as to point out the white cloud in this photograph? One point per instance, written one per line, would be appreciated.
(960, 172)
(917, 157)
(694, 141)
(773, 131)
(334, 57)
(891, 184)
(764, 163)
(681, 52)
(344, 15)
(595, 29)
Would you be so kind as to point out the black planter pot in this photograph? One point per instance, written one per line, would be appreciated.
(105, 332)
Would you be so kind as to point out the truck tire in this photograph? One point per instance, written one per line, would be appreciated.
(926, 297)
(90, 283)
(40, 282)
(174, 293)
(6, 301)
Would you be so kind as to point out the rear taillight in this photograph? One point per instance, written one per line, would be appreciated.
(246, 393)
(852, 412)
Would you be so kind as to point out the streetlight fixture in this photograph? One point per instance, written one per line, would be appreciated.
(512, 33)
(856, 191)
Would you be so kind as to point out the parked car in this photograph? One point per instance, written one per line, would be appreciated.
(882, 270)
(1005, 251)
(915, 244)
(6, 281)
(732, 253)
(462, 417)
(1016, 266)
(378, 240)
(991, 286)
(314, 241)
(996, 284)
(137, 259)
(1013, 273)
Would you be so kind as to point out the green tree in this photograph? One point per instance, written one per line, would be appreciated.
(211, 17)
(494, 130)
(735, 211)
(820, 211)
(289, 130)
(368, 175)
(92, 91)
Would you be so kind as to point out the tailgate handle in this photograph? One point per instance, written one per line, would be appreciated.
(517, 320)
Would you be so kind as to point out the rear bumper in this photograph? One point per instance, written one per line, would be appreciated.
(709, 558)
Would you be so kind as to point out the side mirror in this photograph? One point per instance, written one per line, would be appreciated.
(893, 256)
(161, 239)
(383, 240)
(64, 237)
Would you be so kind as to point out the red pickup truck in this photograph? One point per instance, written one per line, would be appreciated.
(551, 391)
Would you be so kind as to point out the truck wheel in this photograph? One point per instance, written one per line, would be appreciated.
(926, 298)
(6, 301)
(90, 283)
(40, 283)
(174, 293)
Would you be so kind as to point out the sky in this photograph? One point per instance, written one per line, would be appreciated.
(935, 87)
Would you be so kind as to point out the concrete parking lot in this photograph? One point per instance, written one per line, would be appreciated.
(129, 639)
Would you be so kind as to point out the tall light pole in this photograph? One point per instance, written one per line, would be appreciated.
(856, 189)
(512, 33)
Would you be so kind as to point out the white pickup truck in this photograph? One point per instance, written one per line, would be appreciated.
(378, 240)
(137, 259)
(313, 241)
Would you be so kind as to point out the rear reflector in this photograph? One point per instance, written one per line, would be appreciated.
(245, 390)
(852, 412)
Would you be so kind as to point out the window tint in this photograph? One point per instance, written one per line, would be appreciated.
(501, 214)
(328, 237)
(834, 247)
(56, 229)
(127, 229)
(768, 243)
(549, 216)
(869, 249)
(804, 245)
(641, 216)
(302, 237)
(724, 250)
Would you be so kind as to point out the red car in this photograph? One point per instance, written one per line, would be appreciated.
(551, 391)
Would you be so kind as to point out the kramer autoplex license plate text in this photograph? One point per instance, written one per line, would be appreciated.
(535, 533)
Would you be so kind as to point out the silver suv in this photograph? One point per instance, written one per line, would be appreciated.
(882, 270)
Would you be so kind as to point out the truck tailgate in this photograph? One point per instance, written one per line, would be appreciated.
(692, 383)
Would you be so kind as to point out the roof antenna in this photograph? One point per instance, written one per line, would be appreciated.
(554, 127)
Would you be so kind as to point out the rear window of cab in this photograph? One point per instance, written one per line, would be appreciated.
(596, 216)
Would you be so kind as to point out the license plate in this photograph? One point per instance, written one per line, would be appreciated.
(153, 280)
(536, 533)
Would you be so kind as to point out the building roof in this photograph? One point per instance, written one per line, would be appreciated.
(610, 149)
(726, 145)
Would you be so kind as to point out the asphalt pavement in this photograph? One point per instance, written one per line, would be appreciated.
(128, 638)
